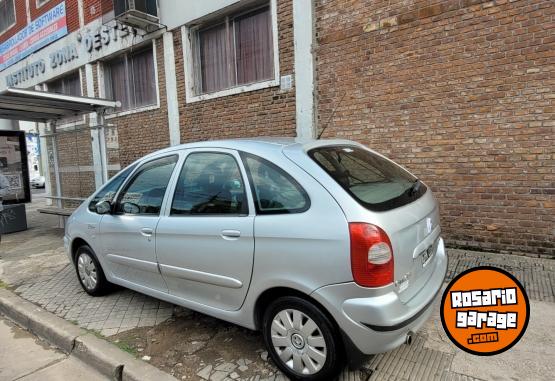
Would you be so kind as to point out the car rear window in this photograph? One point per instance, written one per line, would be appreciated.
(373, 181)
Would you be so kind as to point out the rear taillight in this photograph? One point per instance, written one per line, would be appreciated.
(371, 255)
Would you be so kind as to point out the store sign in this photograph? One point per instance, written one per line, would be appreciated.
(37, 68)
(63, 56)
(46, 29)
(14, 171)
(104, 36)
(81, 47)
(26, 73)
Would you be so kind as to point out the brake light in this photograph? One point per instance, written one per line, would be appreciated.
(371, 255)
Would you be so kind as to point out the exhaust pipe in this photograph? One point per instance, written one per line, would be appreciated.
(408, 339)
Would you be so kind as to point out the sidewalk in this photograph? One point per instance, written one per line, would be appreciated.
(192, 346)
(24, 357)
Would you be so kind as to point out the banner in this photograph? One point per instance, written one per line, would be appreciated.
(42, 31)
(14, 171)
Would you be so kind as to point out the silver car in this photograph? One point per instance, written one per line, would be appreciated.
(330, 249)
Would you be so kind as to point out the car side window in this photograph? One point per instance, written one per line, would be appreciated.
(108, 192)
(145, 192)
(210, 183)
(275, 191)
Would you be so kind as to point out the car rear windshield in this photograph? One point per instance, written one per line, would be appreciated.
(376, 183)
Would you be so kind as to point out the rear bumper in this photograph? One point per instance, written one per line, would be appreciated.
(376, 320)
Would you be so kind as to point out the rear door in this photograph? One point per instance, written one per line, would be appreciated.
(205, 241)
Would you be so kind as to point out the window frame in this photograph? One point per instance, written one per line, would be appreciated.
(242, 171)
(103, 88)
(10, 26)
(191, 51)
(125, 185)
(131, 169)
(67, 122)
(287, 175)
(391, 204)
(40, 3)
(64, 76)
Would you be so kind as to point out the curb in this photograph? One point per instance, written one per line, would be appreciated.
(103, 356)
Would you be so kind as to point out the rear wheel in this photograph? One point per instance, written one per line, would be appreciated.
(301, 340)
(89, 272)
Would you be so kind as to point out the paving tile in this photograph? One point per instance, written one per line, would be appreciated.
(123, 310)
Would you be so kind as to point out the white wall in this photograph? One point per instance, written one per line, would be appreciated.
(175, 13)
(6, 124)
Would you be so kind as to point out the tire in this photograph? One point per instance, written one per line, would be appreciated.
(312, 352)
(90, 273)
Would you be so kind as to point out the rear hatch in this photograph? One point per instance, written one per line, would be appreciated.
(393, 199)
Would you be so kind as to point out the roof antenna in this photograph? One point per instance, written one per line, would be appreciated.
(331, 116)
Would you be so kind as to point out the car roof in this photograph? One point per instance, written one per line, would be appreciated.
(258, 144)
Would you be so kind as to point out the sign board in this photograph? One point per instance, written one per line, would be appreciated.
(69, 53)
(40, 32)
(14, 171)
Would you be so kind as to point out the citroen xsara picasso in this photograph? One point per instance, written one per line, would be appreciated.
(330, 249)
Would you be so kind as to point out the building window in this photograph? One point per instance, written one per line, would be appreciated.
(7, 10)
(235, 51)
(130, 79)
(40, 3)
(67, 85)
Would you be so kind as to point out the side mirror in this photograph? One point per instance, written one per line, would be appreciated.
(103, 207)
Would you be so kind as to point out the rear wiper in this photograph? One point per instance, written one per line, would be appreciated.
(415, 187)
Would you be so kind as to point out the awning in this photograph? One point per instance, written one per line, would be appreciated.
(41, 106)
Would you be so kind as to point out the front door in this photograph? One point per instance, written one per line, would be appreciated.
(205, 242)
(128, 235)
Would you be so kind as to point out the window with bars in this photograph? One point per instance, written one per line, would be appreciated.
(234, 51)
(7, 10)
(130, 79)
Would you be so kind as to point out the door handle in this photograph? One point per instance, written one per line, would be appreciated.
(146, 232)
(231, 234)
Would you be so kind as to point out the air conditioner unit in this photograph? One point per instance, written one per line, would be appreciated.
(142, 14)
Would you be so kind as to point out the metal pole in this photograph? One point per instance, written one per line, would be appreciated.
(56, 170)
(102, 146)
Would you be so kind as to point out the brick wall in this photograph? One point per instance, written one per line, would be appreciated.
(144, 132)
(72, 11)
(20, 20)
(72, 15)
(461, 92)
(74, 154)
(94, 9)
(257, 113)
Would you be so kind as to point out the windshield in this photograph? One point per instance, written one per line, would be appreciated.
(376, 183)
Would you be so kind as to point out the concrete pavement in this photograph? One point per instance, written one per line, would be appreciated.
(193, 346)
(24, 357)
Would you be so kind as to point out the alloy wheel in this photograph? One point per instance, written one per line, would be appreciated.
(298, 341)
(87, 271)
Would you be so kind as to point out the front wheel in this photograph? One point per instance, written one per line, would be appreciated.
(90, 272)
(301, 340)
